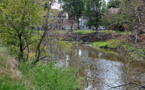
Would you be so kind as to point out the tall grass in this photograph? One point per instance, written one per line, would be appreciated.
(51, 77)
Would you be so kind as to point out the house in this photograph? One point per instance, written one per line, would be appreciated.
(83, 25)
(63, 23)
(69, 25)
(114, 10)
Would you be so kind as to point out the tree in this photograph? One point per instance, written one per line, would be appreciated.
(74, 9)
(132, 16)
(41, 46)
(93, 11)
(17, 18)
(113, 4)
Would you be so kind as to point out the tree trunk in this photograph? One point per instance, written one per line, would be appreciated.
(38, 51)
(71, 28)
(21, 47)
(78, 22)
(96, 27)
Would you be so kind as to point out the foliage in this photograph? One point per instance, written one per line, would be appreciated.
(74, 8)
(84, 31)
(112, 20)
(93, 11)
(108, 44)
(59, 31)
(8, 78)
(107, 31)
(50, 76)
(133, 14)
(113, 31)
(101, 31)
(113, 4)
(40, 76)
(134, 51)
(17, 17)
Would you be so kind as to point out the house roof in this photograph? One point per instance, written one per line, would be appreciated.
(114, 10)
(64, 14)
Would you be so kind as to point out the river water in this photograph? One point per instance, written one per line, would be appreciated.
(103, 71)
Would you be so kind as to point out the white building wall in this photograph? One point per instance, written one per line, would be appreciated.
(82, 24)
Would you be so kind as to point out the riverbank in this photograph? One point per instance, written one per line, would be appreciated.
(120, 42)
(16, 75)
(10, 75)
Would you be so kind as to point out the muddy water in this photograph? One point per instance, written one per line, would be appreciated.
(103, 71)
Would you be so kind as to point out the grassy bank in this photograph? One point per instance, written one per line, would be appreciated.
(112, 31)
(50, 77)
(89, 32)
(121, 46)
(42, 76)
(84, 31)
(100, 31)
(10, 77)
(108, 44)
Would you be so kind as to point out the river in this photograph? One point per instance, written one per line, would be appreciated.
(103, 71)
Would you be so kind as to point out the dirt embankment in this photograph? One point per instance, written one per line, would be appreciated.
(89, 38)
(14, 68)
(9, 66)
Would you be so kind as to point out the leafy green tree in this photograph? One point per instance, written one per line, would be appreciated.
(93, 11)
(113, 4)
(17, 18)
(74, 8)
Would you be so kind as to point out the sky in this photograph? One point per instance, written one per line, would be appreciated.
(57, 5)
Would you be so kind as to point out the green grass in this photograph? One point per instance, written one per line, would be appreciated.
(106, 31)
(114, 44)
(101, 31)
(84, 31)
(41, 76)
(124, 33)
(112, 31)
(9, 79)
(59, 31)
(108, 44)
(50, 77)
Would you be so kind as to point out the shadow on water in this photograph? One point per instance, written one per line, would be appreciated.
(105, 71)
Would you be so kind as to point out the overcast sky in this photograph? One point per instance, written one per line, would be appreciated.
(57, 6)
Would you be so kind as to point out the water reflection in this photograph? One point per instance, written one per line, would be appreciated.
(110, 73)
(100, 73)
(67, 61)
(102, 70)
(80, 52)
